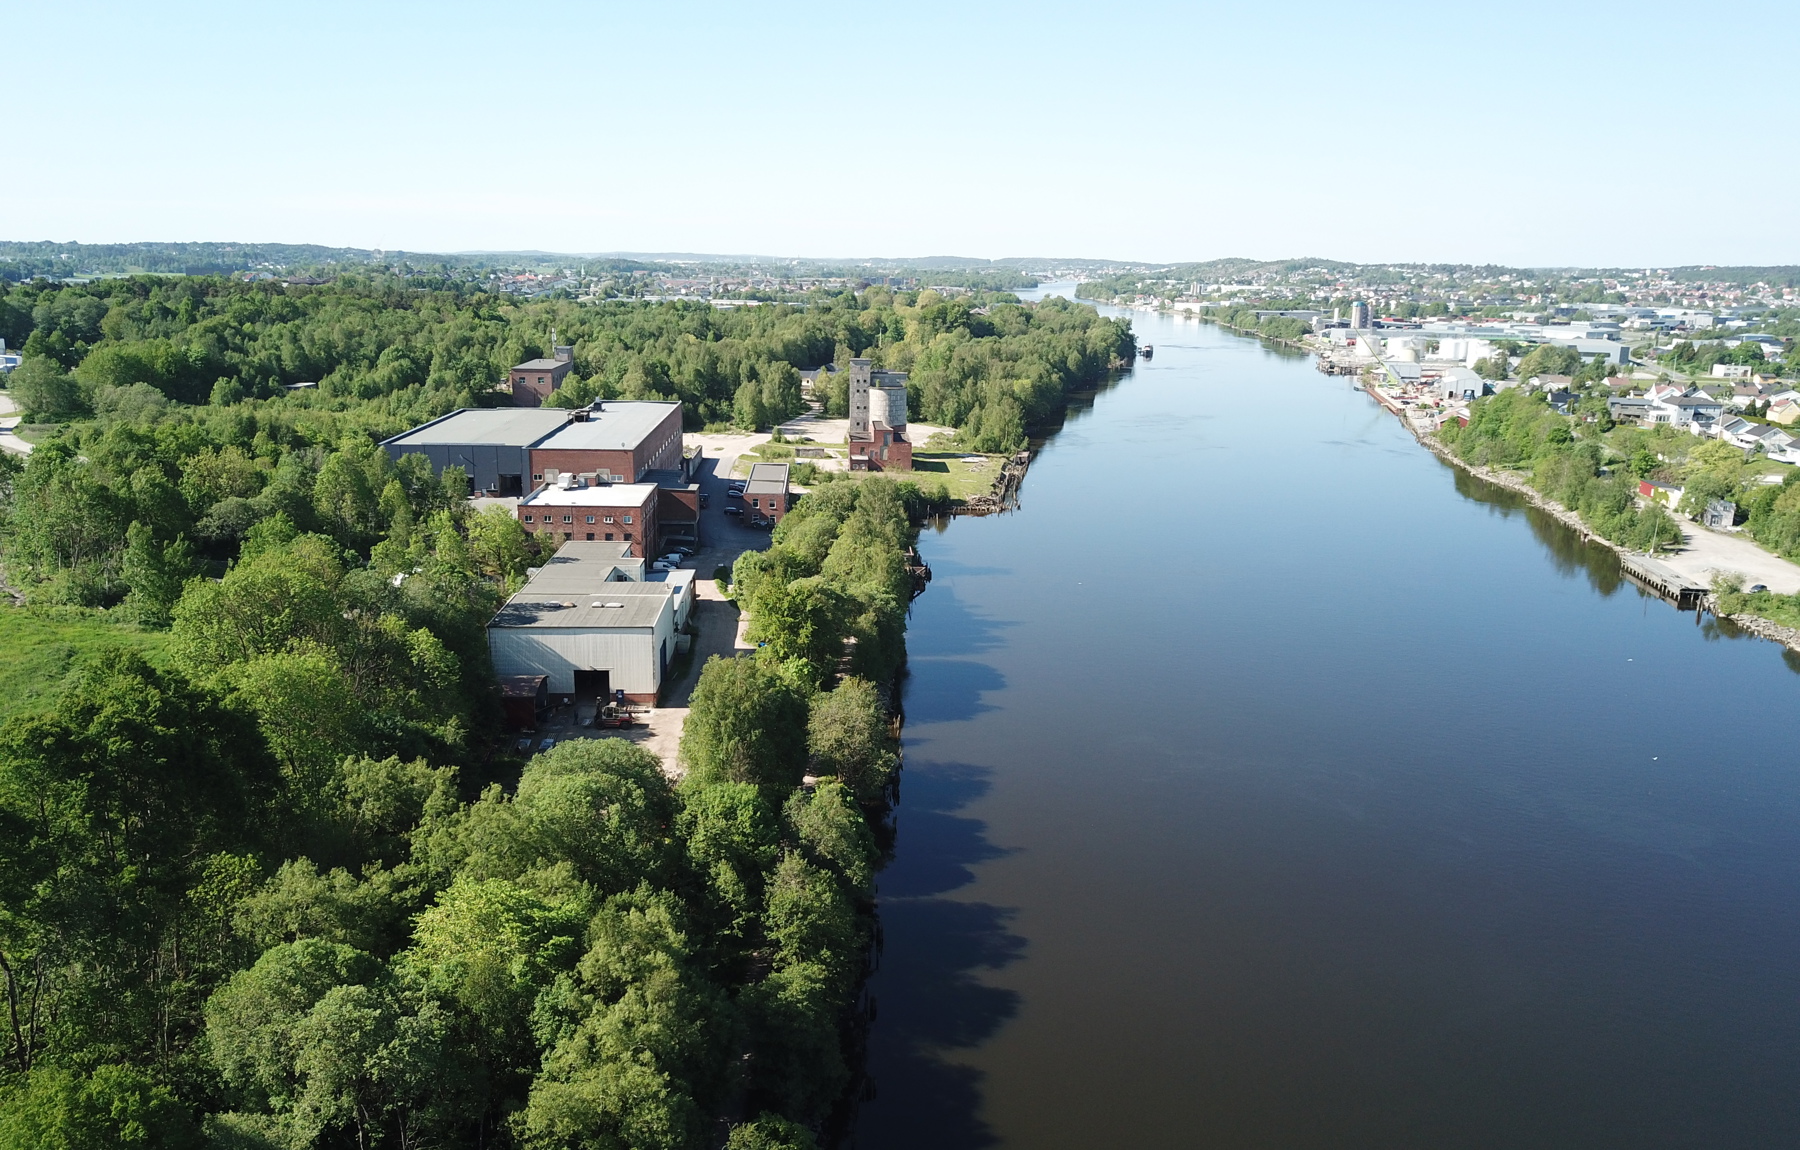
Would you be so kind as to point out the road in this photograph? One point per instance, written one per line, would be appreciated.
(1705, 553)
(9, 441)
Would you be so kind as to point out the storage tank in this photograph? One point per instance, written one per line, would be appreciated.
(887, 405)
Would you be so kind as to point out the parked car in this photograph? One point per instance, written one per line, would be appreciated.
(523, 745)
(1755, 587)
(734, 511)
(735, 492)
(663, 565)
(674, 557)
(546, 744)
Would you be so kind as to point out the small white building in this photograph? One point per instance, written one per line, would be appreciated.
(593, 623)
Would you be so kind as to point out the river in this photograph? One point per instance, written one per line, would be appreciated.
(1270, 783)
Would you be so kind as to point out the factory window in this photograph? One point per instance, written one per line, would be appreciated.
(568, 519)
(528, 519)
(590, 536)
(609, 537)
(628, 537)
(609, 520)
(537, 478)
(627, 519)
(590, 519)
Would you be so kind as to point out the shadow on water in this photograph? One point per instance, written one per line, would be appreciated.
(1569, 552)
(956, 630)
(1572, 555)
(932, 1002)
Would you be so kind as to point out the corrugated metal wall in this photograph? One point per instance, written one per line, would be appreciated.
(633, 657)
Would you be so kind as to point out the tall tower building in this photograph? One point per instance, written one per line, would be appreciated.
(1359, 314)
(859, 401)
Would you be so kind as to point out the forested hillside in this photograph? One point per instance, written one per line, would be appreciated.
(265, 881)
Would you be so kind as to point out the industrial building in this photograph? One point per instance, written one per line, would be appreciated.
(767, 492)
(592, 625)
(533, 381)
(614, 441)
(493, 445)
(572, 510)
(509, 451)
(877, 434)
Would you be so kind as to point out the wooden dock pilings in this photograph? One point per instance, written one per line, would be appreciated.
(1663, 580)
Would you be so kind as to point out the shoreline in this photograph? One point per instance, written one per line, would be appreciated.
(1757, 625)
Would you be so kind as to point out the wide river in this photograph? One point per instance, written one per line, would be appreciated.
(1270, 784)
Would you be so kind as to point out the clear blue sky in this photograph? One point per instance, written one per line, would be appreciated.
(1596, 132)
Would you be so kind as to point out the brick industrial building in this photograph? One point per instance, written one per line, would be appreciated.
(877, 434)
(534, 380)
(509, 451)
(767, 491)
(617, 441)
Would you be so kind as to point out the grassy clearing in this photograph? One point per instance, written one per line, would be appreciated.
(37, 648)
(965, 480)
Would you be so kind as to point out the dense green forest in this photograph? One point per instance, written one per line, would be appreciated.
(265, 880)
(177, 409)
(223, 921)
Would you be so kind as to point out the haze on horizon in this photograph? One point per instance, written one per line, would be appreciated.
(1604, 134)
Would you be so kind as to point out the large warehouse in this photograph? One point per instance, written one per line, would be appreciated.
(614, 441)
(492, 444)
(591, 623)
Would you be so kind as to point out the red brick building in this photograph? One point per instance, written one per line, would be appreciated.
(877, 434)
(767, 492)
(534, 380)
(615, 513)
(615, 441)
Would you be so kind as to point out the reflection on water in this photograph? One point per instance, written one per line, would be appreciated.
(931, 1000)
(1268, 787)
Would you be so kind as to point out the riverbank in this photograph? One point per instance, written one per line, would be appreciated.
(1704, 555)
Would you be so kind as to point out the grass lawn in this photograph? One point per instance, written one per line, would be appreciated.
(37, 649)
(965, 480)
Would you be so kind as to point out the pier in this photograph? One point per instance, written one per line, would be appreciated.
(1662, 579)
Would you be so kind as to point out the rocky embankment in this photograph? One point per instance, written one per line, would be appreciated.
(1005, 492)
(1788, 637)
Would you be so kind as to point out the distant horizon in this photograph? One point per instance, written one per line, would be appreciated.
(922, 262)
(1555, 136)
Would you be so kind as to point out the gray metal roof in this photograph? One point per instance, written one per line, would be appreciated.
(500, 426)
(616, 425)
(580, 567)
(604, 610)
(767, 479)
(542, 365)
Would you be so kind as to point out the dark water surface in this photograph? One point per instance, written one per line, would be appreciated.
(1269, 784)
